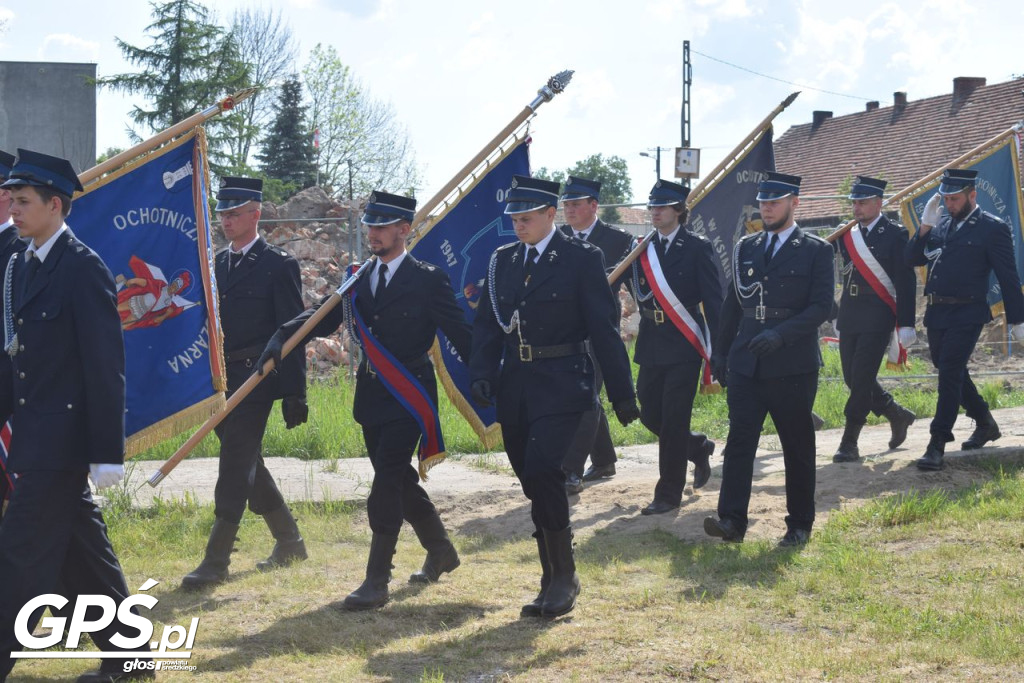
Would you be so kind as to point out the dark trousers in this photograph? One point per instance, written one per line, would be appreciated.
(536, 449)
(242, 477)
(53, 540)
(666, 394)
(950, 349)
(861, 355)
(789, 401)
(593, 437)
(395, 494)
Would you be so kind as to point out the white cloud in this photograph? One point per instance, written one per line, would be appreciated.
(68, 47)
(477, 25)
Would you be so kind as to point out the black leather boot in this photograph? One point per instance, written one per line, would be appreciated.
(848, 451)
(560, 597)
(373, 593)
(900, 419)
(533, 609)
(289, 546)
(985, 430)
(214, 567)
(932, 459)
(441, 554)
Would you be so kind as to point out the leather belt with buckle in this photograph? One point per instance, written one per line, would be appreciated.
(765, 313)
(414, 364)
(936, 299)
(657, 315)
(248, 355)
(529, 353)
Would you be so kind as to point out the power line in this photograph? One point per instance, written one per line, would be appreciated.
(782, 80)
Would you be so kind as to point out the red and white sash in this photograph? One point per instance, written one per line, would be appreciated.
(674, 309)
(879, 281)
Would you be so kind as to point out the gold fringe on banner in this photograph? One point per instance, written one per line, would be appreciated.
(215, 333)
(489, 436)
(181, 421)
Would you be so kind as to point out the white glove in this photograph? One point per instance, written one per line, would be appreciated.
(1017, 332)
(105, 475)
(932, 211)
(907, 335)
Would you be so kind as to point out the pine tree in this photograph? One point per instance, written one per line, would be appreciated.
(190, 64)
(287, 149)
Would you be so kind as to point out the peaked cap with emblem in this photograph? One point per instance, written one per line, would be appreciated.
(235, 192)
(581, 188)
(384, 209)
(866, 188)
(957, 180)
(42, 170)
(777, 185)
(667, 193)
(529, 194)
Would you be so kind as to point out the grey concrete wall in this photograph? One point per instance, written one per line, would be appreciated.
(51, 108)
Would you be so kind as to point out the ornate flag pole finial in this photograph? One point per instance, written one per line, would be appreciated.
(555, 85)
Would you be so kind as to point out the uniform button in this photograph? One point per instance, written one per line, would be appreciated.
(21, 321)
(21, 401)
(21, 375)
(44, 314)
(522, 303)
(70, 406)
(376, 317)
(21, 347)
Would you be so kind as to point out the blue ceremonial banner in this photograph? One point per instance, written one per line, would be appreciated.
(727, 209)
(461, 240)
(999, 193)
(149, 222)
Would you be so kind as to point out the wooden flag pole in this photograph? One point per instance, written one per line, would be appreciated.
(256, 378)
(703, 187)
(697, 193)
(554, 86)
(160, 138)
(914, 187)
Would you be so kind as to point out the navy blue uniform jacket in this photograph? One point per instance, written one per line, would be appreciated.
(416, 303)
(981, 246)
(65, 386)
(567, 300)
(259, 295)
(800, 279)
(691, 268)
(864, 311)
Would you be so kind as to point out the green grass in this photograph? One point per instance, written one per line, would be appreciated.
(332, 433)
(922, 585)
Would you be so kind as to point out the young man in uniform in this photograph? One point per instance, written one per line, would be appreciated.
(783, 288)
(399, 306)
(546, 308)
(259, 289)
(62, 384)
(674, 340)
(962, 250)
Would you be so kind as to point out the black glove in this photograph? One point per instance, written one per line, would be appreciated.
(626, 411)
(720, 368)
(482, 393)
(294, 411)
(272, 352)
(765, 342)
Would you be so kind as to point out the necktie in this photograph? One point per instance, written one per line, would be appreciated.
(582, 236)
(382, 280)
(531, 256)
(31, 267)
(771, 248)
(234, 258)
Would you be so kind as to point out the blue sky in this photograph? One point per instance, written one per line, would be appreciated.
(457, 71)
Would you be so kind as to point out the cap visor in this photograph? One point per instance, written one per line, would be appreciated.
(228, 204)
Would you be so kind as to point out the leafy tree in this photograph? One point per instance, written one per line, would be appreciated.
(265, 45)
(287, 149)
(362, 145)
(189, 64)
(612, 173)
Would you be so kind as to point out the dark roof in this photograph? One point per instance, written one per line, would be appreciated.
(902, 143)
